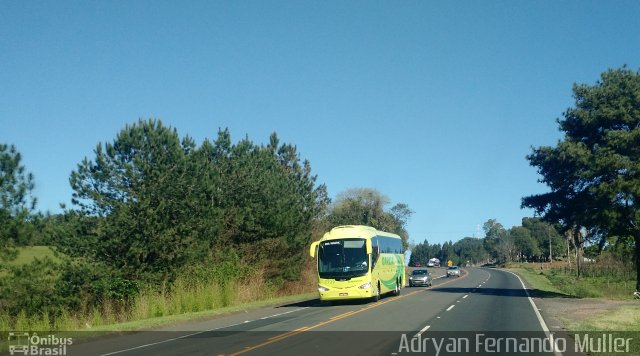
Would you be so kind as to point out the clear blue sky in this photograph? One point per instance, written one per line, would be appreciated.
(433, 103)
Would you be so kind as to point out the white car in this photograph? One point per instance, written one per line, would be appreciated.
(453, 271)
(420, 277)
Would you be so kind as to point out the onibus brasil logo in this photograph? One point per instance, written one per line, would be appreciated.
(24, 343)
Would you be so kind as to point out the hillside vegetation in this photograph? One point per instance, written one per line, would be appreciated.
(163, 226)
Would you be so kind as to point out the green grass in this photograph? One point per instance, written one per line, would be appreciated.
(608, 287)
(29, 253)
(557, 280)
(536, 280)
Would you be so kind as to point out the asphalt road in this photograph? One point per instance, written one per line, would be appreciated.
(463, 315)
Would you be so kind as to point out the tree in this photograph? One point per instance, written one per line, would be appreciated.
(593, 173)
(145, 191)
(361, 206)
(269, 202)
(449, 250)
(16, 202)
(420, 254)
(16, 184)
(365, 206)
(493, 232)
(468, 249)
(544, 234)
(526, 246)
(160, 204)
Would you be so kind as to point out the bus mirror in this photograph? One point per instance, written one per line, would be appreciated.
(369, 247)
(312, 249)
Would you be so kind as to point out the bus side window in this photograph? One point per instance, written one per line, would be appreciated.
(374, 256)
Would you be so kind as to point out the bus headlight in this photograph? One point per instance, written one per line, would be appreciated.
(322, 289)
(365, 286)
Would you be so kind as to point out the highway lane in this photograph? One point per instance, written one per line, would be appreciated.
(481, 301)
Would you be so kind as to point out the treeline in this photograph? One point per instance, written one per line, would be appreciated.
(529, 242)
(151, 207)
(156, 214)
(161, 203)
(534, 241)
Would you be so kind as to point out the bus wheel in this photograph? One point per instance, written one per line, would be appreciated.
(377, 296)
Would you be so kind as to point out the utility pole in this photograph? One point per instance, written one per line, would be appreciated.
(568, 255)
(549, 235)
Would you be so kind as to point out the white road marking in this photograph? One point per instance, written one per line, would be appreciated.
(290, 311)
(535, 309)
(451, 307)
(422, 330)
(466, 295)
(160, 342)
(196, 333)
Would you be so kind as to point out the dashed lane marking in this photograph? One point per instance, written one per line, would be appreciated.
(423, 330)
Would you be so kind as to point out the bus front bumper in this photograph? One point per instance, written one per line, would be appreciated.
(346, 294)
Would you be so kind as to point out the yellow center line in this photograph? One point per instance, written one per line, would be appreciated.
(333, 319)
(343, 315)
(296, 331)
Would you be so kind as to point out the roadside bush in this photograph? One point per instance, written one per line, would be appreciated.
(31, 289)
(45, 291)
(86, 285)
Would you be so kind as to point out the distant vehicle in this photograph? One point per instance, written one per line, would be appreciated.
(420, 277)
(433, 262)
(453, 271)
(417, 264)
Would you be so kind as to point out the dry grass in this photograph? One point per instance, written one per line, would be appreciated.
(307, 283)
(625, 318)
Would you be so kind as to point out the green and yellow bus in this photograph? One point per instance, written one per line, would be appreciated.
(357, 262)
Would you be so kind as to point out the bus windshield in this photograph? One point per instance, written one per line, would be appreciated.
(343, 258)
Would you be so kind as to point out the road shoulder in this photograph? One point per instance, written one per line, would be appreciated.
(563, 312)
